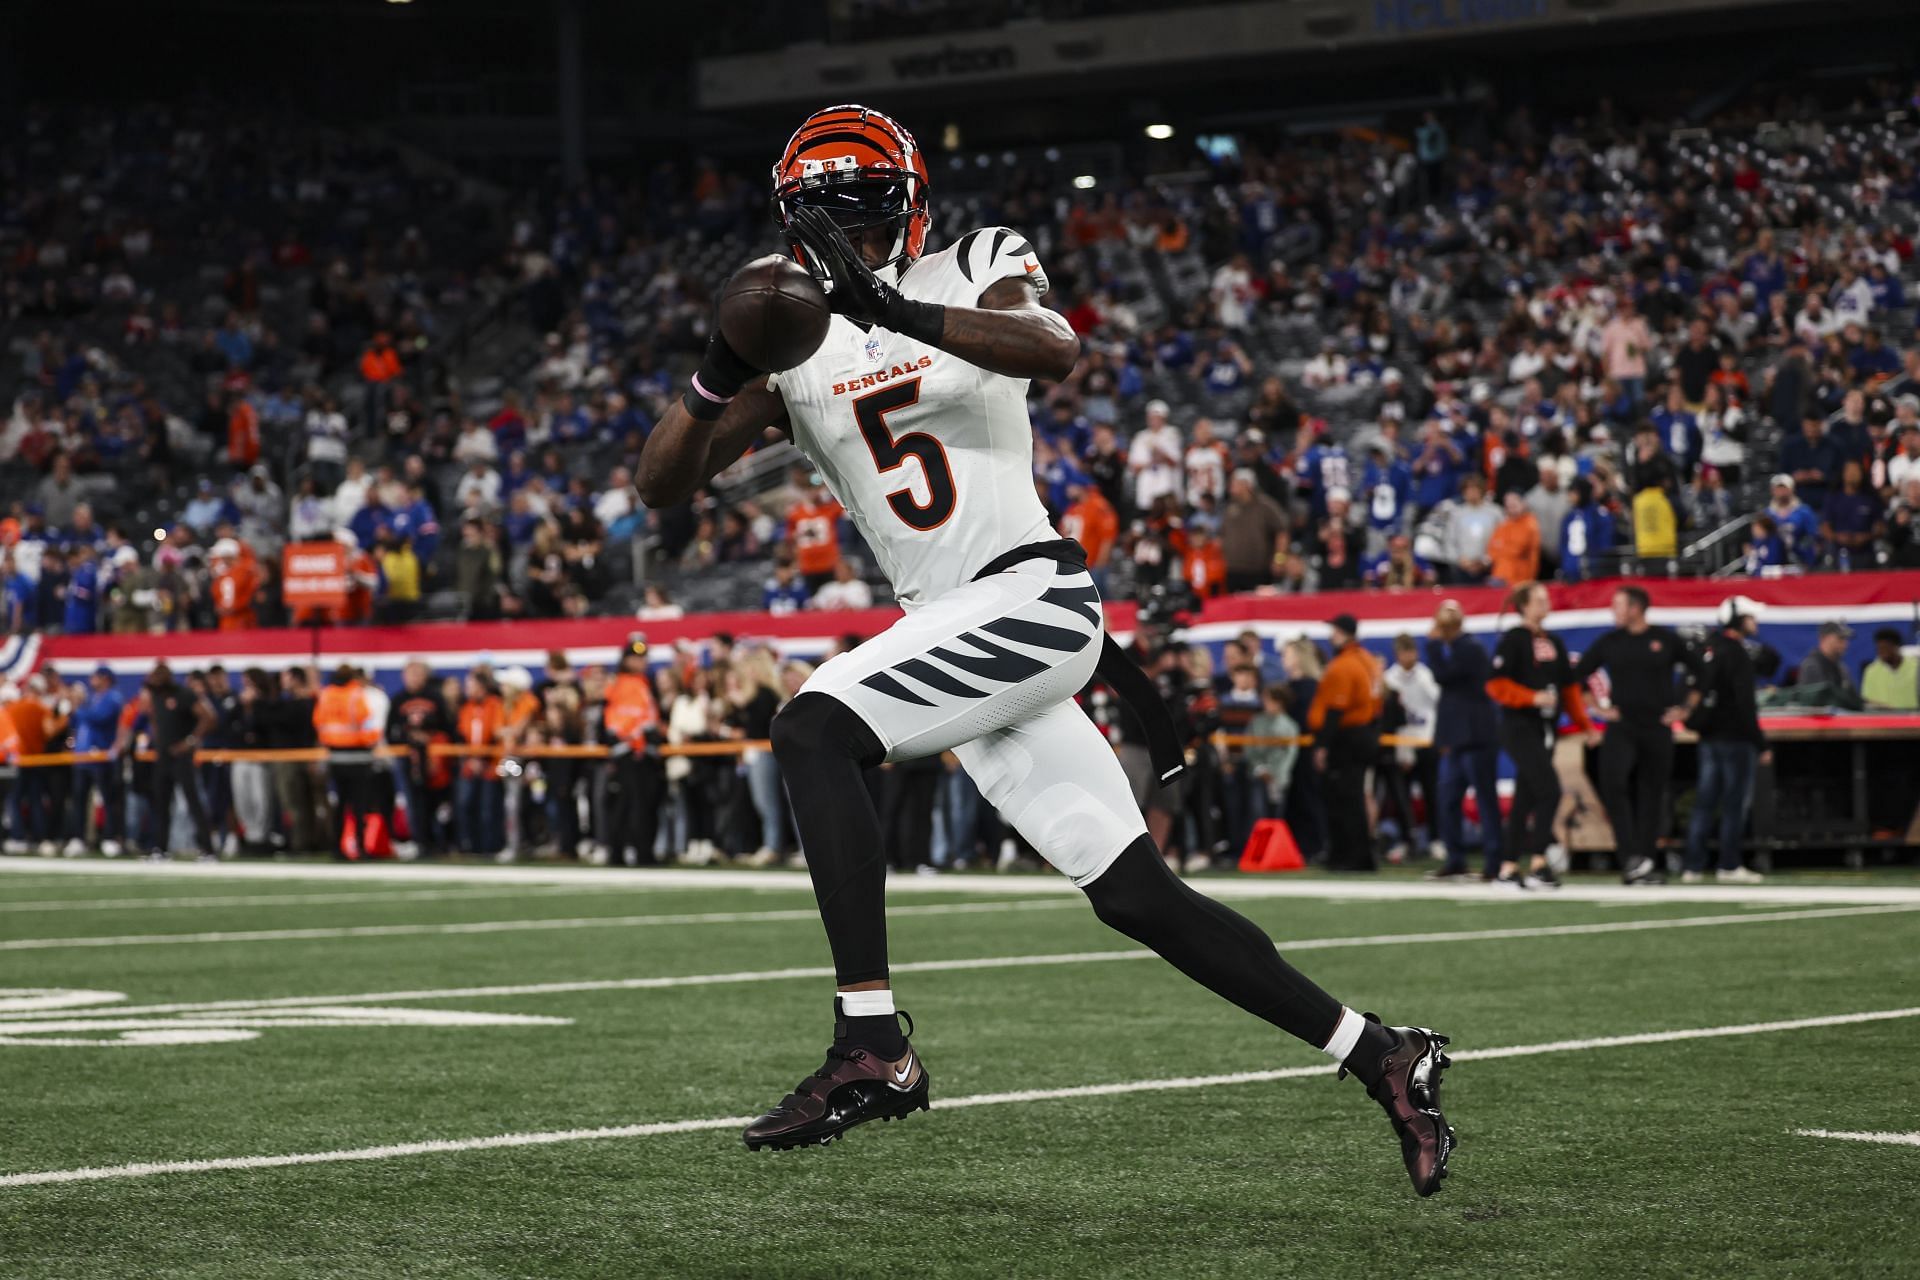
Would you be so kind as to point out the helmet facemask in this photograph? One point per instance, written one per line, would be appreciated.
(858, 202)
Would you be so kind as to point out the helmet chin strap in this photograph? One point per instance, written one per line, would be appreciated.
(897, 263)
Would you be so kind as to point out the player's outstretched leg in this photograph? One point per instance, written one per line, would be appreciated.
(871, 1072)
(1230, 956)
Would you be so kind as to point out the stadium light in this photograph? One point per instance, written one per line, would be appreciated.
(1084, 182)
(1159, 132)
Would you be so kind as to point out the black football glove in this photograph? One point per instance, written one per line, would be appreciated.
(722, 373)
(858, 293)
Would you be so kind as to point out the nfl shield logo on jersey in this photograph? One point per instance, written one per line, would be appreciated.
(873, 350)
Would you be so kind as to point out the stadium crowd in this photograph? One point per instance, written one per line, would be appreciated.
(649, 762)
(1545, 351)
(1358, 361)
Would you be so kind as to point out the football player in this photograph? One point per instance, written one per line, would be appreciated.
(914, 412)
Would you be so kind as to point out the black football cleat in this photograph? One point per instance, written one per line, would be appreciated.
(854, 1086)
(1409, 1091)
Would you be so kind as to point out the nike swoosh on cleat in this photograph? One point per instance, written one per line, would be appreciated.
(901, 1073)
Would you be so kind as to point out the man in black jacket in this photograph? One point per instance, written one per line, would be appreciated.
(1465, 736)
(1731, 744)
(1636, 759)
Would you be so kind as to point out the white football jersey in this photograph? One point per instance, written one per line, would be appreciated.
(932, 456)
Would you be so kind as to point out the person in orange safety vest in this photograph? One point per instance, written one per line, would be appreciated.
(350, 718)
(634, 729)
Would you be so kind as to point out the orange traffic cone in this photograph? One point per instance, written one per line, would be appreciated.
(1271, 848)
(379, 843)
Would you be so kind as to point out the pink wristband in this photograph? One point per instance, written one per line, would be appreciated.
(708, 395)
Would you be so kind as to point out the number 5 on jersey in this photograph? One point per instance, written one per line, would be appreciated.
(890, 452)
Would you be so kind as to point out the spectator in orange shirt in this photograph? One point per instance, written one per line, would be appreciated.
(1514, 550)
(243, 433)
(32, 724)
(1204, 564)
(479, 805)
(236, 583)
(813, 529)
(1091, 521)
(379, 365)
(380, 362)
(1343, 720)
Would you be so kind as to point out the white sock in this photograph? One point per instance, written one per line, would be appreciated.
(874, 1004)
(1346, 1034)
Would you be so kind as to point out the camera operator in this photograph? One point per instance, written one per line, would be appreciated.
(1732, 745)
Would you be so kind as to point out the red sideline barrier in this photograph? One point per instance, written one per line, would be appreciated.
(526, 643)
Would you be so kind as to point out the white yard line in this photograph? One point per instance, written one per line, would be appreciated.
(373, 893)
(446, 1146)
(502, 926)
(1389, 889)
(1892, 1139)
(984, 962)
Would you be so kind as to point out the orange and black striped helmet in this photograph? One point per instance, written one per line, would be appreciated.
(861, 168)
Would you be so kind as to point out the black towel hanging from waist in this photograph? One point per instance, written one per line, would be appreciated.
(1129, 683)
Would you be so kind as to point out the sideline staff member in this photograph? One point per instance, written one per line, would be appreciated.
(1731, 744)
(1636, 757)
(178, 720)
(1533, 683)
(1343, 719)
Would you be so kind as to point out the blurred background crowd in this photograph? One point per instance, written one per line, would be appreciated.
(1486, 348)
(1492, 316)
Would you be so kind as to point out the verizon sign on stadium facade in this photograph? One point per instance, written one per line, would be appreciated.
(1056, 50)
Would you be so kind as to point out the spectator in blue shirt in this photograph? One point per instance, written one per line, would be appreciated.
(22, 597)
(1765, 548)
(1847, 429)
(1888, 293)
(1436, 468)
(370, 520)
(1054, 473)
(785, 592)
(1764, 270)
(1679, 430)
(1585, 535)
(521, 520)
(81, 615)
(624, 418)
(1872, 358)
(1066, 430)
(209, 508)
(234, 342)
(418, 523)
(570, 423)
(1852, 519)
(96, 724)
(1386, 485)
(1320, 468)
(1797, 523)
(1812, 460)
(514, 476)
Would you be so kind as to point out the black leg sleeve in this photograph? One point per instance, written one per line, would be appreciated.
(823, 747)
(1220, 949)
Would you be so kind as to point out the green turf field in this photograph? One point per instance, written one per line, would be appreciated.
(327, 1015)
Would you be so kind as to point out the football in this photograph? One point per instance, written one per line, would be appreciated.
(773, 313)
